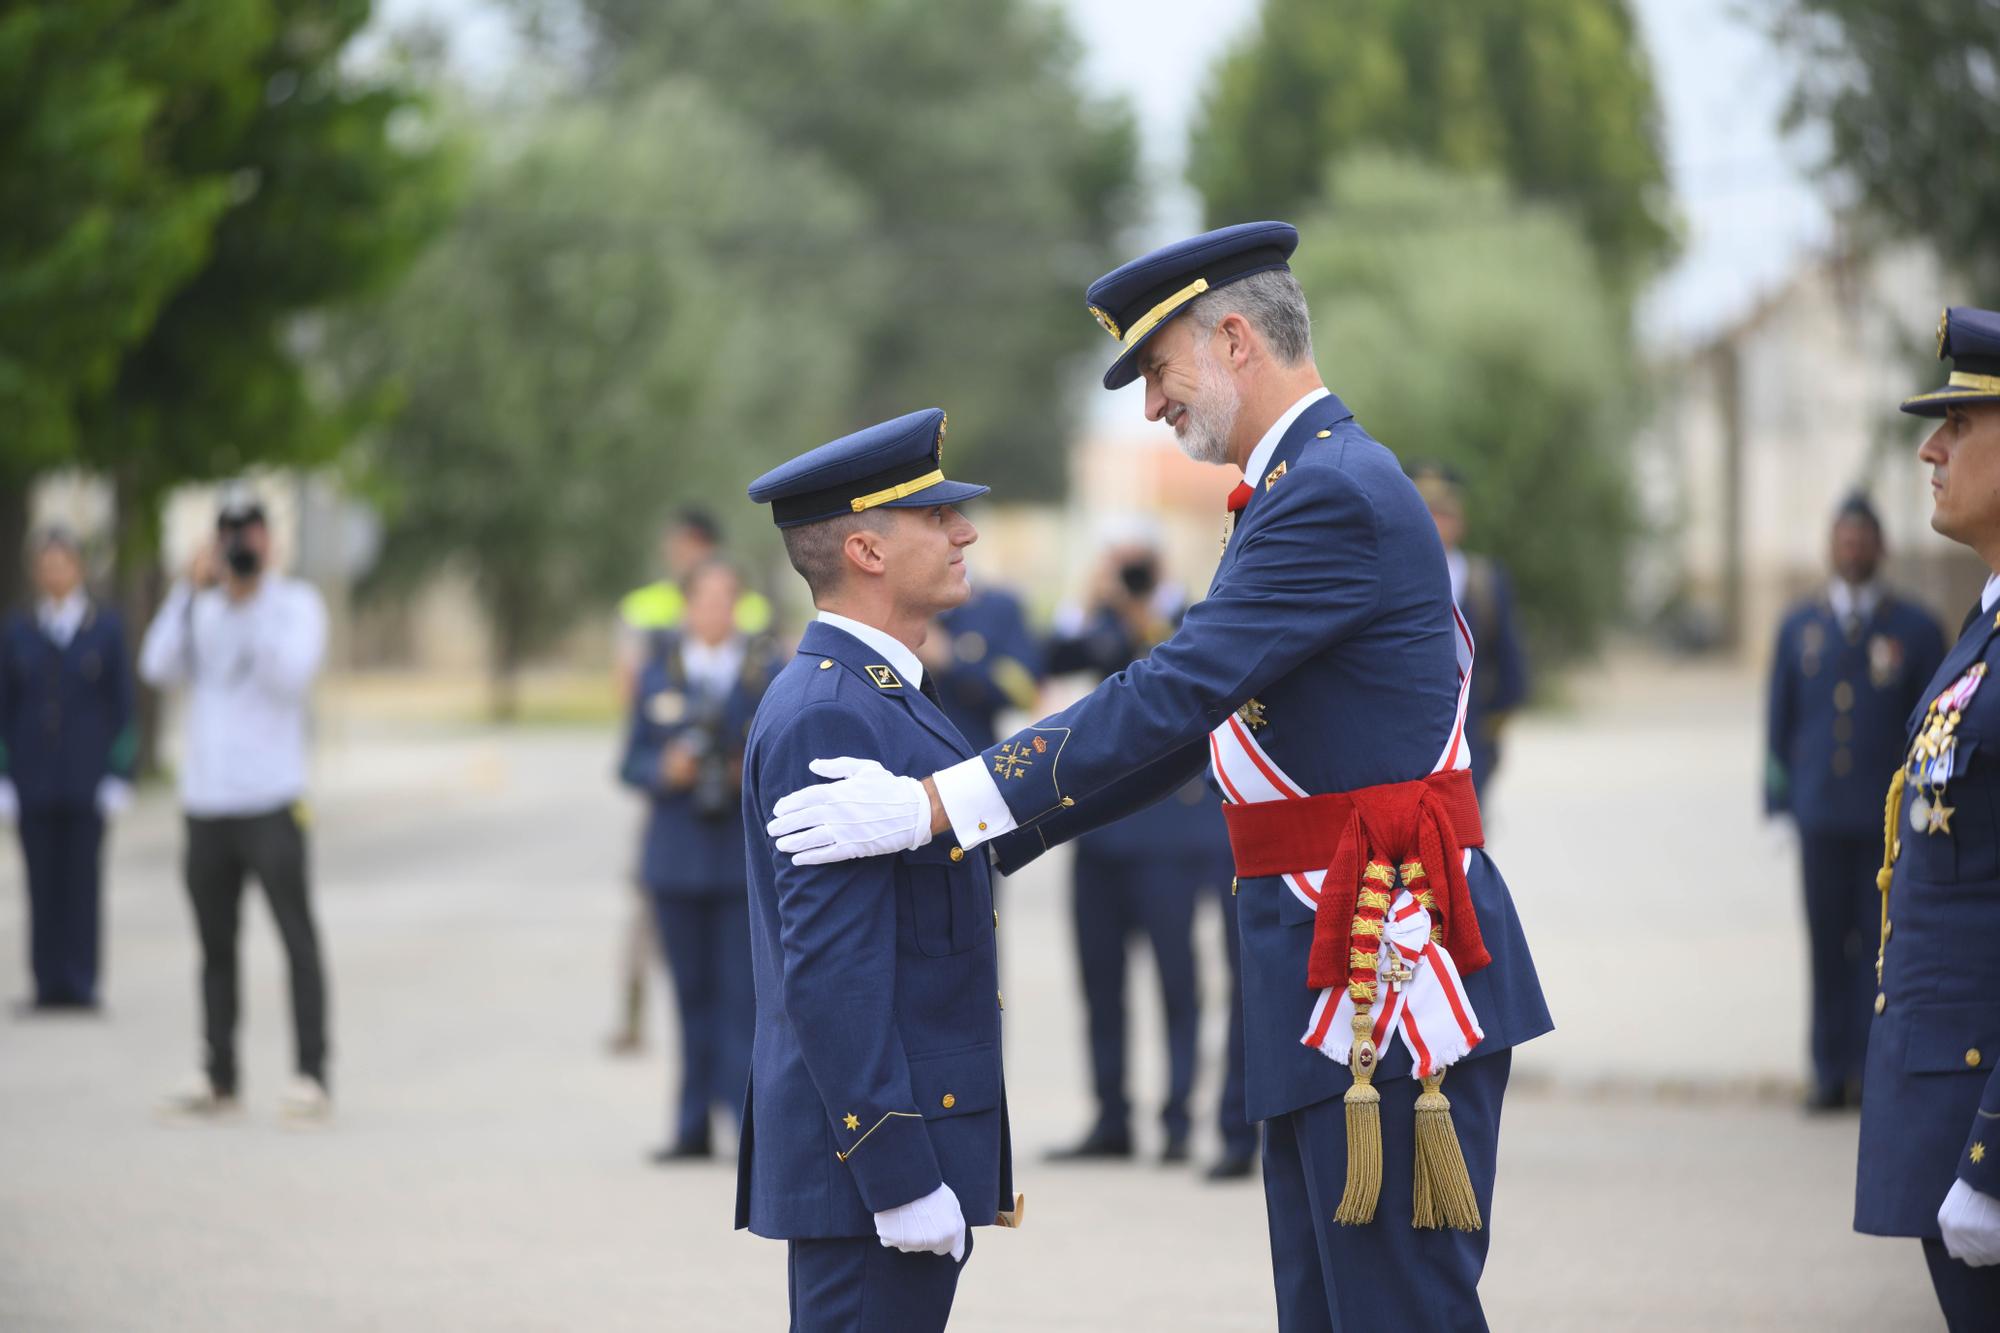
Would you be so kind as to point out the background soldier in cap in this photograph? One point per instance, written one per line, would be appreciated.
(1484, 595)
(1930, 1109)
(66, 751)
(1380, 944)
(246, 643)
(876, 1130)
(1849, 665)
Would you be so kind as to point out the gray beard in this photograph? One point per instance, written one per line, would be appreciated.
(1211, 414)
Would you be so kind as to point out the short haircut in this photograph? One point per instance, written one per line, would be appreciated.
(698, 521)
(58, 538)
(815, 550)
(1273, 304)
(1856, 507)
(715, 564)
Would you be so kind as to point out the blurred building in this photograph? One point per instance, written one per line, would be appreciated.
(1758, 432)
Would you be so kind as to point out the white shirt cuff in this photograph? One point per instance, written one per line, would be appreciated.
(972, 802)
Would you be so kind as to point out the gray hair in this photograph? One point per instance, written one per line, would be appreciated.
(815, 550)
(1274, 306)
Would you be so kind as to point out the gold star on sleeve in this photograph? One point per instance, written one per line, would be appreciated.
(1978, 1152)
(854, 1122)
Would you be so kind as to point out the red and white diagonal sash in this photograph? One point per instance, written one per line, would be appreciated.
(1430, 1010)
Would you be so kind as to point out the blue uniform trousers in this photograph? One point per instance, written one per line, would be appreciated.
(1843, 920)
(1116, 897)
(706, 941)
(1239, 1135)
(855, 1284)
(1332, 1278)
(1969, 1297)
(62, 846)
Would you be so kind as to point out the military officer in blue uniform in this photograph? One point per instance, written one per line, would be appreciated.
(875, 1128)
(1930, 1107)
(1140, 875)
(67, 746)
(1848, 666)
(691, 710)
(986, 662)
(1366, 900)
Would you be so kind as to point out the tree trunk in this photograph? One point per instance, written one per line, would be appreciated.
(138, 587)
(13, 539)
(503, 680)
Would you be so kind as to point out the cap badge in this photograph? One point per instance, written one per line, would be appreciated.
(1110, 325)
(1944, 331)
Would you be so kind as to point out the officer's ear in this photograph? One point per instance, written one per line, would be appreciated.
(864, 549)
(1239, 340)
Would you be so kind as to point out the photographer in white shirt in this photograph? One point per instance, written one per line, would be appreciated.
(245, 643)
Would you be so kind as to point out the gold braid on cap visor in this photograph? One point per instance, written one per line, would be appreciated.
(1151, 320)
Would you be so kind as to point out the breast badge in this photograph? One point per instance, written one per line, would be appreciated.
(1929, 766)
(1885, 660)
(667, 707)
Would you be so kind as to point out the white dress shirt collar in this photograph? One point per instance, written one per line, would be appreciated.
(61, 620)
(1991, 594)
(1260, 457)
(715, 668)
(1852, 600)
(894, 651)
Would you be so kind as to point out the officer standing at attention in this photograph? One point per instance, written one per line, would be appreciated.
(1930, 1105)
(691, 713)
(1140, 875)
(66, 752)
(876, 1124)
(1484, 595)
(1380, 945)
(1848, 666)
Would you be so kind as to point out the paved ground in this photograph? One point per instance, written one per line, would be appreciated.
(485, 1171)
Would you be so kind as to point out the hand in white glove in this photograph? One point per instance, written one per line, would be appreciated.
(868, 812)
(933, 1224)
(114, 797)
(10, 802)
(1970, 1222)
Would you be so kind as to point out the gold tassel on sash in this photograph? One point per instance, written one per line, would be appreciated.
(1364, 1131)
(1442, 1195)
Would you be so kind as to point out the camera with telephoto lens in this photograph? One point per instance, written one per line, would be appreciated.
(714, 795)
(1140, 576)
(238, 553)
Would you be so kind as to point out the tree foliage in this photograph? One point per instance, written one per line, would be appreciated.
(1909, 94)
(1554, 96)
(1466, 327)
(994, 184)
(607, 331)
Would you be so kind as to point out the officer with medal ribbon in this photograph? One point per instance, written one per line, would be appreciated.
(1930, 1111)
(875, 1127)
(1847, 667)
(1380, 946)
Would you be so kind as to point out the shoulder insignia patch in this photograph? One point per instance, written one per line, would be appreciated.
(884, 678)
(1271, 477)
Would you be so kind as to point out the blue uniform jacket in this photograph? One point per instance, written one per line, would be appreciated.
(1500, 685)
(876, 1069)
(65, 713)
(1184, 826)
(1837, 710)
(1332, 609)
(686, 852)
(1931, 1096)
(995, 664)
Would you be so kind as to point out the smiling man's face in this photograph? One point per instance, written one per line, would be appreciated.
(1964, 454)
(1189, 388)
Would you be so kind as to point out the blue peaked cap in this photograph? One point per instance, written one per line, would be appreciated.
(1135, 301)
(1970, 339)
(896, 465)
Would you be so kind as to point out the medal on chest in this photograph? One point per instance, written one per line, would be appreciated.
(1929, 765)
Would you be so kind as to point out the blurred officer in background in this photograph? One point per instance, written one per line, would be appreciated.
(66, 752)
(644, 614)
(1849, 665)
(1484, 595)
(1930, 1110)
(1138, 875)
(246, 643)
(691, 712)
(985, 661)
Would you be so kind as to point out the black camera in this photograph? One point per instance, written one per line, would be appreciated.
(231, 526)
(1140, 576)
(714, 795)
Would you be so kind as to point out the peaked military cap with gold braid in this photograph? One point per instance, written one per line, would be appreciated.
(896, 464)
(1136, 300)
(1969, 338)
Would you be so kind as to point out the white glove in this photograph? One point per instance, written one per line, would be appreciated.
(1970, 1222)
(10, 802)
(868, 812)
(114, 796)
(933, 1224)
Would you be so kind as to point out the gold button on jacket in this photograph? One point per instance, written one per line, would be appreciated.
(949, 1101)
(1972, 1058)
(958, 853)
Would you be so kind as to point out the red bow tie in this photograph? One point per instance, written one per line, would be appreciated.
(1240, 496)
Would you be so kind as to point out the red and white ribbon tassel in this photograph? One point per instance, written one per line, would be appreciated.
(1430, 1009)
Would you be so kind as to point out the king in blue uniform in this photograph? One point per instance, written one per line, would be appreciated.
(1848, 666)
(876, 1123)
(67, 747)
(1930, 1110)
(1330, 624)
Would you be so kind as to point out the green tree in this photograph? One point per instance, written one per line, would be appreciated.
(996, 187)
(1466, 327)
(1555, 96)
(641, 304)
(1909, 94)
